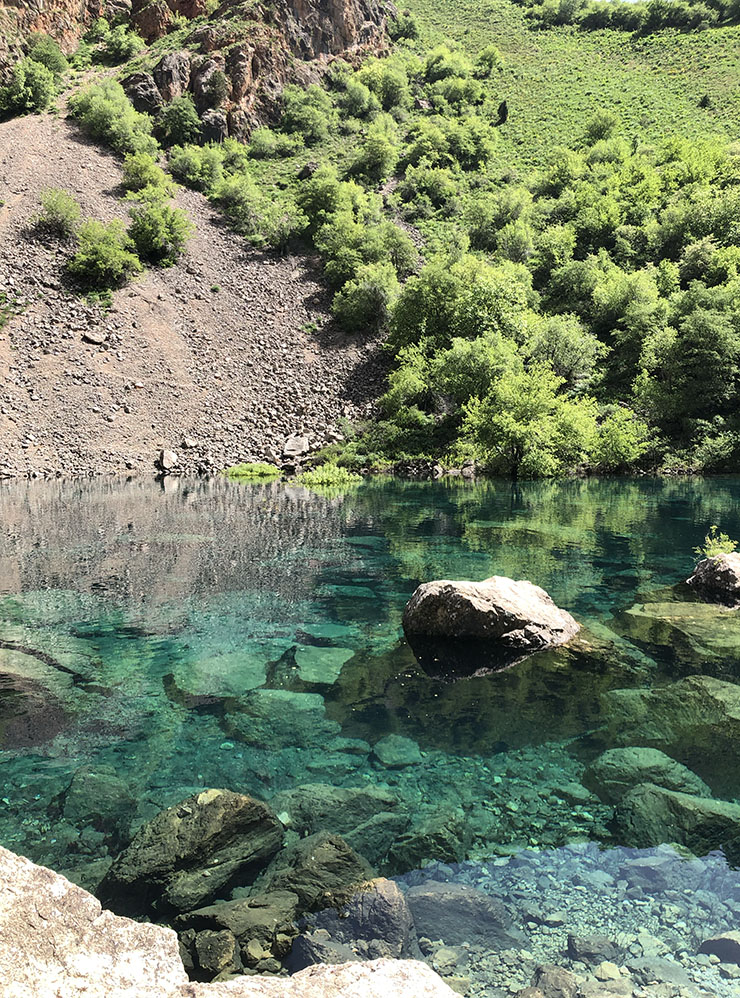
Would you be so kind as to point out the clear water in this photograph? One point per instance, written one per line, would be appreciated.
(143, 626)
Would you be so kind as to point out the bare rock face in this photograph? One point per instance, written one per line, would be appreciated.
(151, 18)
(55, 939)
(185, 856)
(718, 577)
(172, 74)
(514, 619)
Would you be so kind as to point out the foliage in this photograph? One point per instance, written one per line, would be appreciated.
(178, 122)
(104, 257)
(159, 231)
(121, 44)
(329, 476)
(253, 471)
(31, 88)
(141, 171)
(201, 167)
(715, 543)
(366, 301)
(105, 113)
(44, 50)
(307, 112)
(59, 213)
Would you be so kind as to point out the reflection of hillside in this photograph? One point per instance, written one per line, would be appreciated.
(147, 544)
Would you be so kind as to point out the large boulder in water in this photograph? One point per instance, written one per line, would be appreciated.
(502, 620)
(458, 914)
(649, 816)
(619, 770)
(321, 869)
(190, 853)
(718, 577)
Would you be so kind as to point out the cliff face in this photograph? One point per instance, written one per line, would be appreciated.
(64, 20)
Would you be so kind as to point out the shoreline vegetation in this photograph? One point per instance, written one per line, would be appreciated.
(575, 310)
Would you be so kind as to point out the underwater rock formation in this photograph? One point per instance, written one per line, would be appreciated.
(190, 853)
(514, 619)
(718, 577)
(619, 770)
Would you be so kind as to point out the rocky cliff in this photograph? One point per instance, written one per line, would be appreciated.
(64, 20)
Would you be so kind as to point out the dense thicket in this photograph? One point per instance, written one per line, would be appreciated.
(641, 16)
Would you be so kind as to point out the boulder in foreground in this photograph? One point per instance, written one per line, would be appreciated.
(502, 620)
(56, 940)
(718, 577)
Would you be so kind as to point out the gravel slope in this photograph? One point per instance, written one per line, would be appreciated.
(218, 350)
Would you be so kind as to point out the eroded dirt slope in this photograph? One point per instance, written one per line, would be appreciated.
(219, 350)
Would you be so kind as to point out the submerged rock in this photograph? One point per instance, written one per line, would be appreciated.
(696, 720)
(321, 869)
(726, 946)
(514, 619)
(189, 854)
(397, 752)
(276, 719)
(718, 577)
(650, 815)
(618, 770)
(457, 914)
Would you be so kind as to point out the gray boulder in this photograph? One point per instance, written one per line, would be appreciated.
(457, 914)
(649, 816)
(214, 126)
(143, 92)
(718, 577)
(275, 719)
(618, 770)
(172, 74)
(189, 854)
(397, 752)
(322, 870)
(513, 618)
(726, 946)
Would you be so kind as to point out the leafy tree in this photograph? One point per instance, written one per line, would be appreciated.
(140, 170)
(563, 344)
(308, 112)
(201, 167)
(365, 302)
(44, 50)
(106, 113)
(178, 122)
(622, 440)
(159, 232)
(121, 44)
(31, 88)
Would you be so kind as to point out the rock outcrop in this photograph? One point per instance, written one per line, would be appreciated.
(510, 619)
(188, 854)
(718, 577)
(64, 20)
(55, 939)
(619, 770)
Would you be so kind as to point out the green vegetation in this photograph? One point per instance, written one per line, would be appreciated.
(329, 479)
(715, 543)
(104, 257)
(159, 231)
(643, 16)
(105, 113)
(31, 88)
(59, 213)
(256, 471)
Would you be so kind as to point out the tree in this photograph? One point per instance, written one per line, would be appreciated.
(524, 427)
(364, 303)
(159, 231)
(31, 88)
(104, 257)
(178, 122)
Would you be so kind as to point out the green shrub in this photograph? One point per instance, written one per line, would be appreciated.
(178, 122)
(253, 471)
(140, 170)
(266, 144)
(442, 62)
(200, 167)
(104, 257)
(329, 476)
(121, 44)
(487, 62)
(216, 89)
(388, 81)
(159, 232)
(106, 113)
(403, 25)
(31, 88)
(59, 213)
(365, 303)
(715, 543)
(45, 50)
(240, 200)
(621, 442)
(357, 100)
(308, 112)
(378, 154)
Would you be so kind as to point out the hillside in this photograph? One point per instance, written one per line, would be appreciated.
(541, 221)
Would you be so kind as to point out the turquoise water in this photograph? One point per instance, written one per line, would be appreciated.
(160, 638)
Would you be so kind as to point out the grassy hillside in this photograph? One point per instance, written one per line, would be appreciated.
(556, 80)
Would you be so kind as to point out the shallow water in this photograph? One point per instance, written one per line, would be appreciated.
(170, 636)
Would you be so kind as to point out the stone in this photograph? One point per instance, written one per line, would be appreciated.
(555, 982)
(168, 460)
(275, 719)
(457, 914)
(296, 446)
(322, 870)
(55, 939)
(607, 971)
(317, 947)
(649, 815)
(512, 619)
(172, 74)
(315, 807)
(217, 952)
(258, 917)
(192, 852)
(375, 922)
(397, 752)
(214, 126)
(151, 18)
(593, 949)
(718, 577)
(618, 770)
(97, 798)
(143, 92)
(726, 946)
(95, 336)
(321, 665)
(438, 835)
(695, 720)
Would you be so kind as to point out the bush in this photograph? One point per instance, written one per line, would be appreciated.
(715, 543)
(159, 232)
(443, 62)
(178, 122)
(388, 81)
(403, 25)
(621, 442)
(488, 62)
(241, 202)
(266, 144)
(365, 303)
(200, 167)
(378, 154)
(357, 100)
(44, 50)
(31, 88)
(59, 213)
(106, 113)
(253, 471)
(121, 44)
(104, 257)
(307, 112)
(329, 476)
(140, 170)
